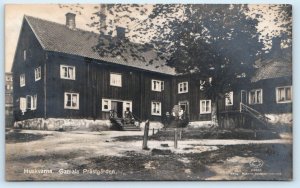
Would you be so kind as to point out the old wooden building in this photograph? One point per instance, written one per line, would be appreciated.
(268, 97)
(58, 75)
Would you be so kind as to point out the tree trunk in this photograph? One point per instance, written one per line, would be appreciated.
(214, 112)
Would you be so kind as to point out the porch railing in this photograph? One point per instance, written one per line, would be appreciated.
(254, 113)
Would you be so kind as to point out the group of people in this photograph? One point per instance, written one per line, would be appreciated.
(178, 118)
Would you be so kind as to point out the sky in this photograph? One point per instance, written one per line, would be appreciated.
(14, 15)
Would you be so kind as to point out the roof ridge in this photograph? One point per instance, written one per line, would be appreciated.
(77, 29)
(82, 42)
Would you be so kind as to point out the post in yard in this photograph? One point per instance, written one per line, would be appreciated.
(180, 133)
(146, 130)
(175, 138)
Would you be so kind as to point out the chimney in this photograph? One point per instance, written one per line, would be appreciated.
(120, 32)
(276, 46)
(70, 20)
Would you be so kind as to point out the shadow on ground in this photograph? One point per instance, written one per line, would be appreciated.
(17, 136)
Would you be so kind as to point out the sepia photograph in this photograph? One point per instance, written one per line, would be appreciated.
(148, 92)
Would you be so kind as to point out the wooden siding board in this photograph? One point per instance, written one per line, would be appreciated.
(35, 58)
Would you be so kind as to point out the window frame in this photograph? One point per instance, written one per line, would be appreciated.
(65, 102)
(62, 75)
(34, 102)
(160, 86)
(181, 85)
(108, 105)
(153, 104)
(206, 111)
(111, 74)
(23, 104)
(37, 73)
(256, 101)
(277, 94)
(231, 98)
(22, 81)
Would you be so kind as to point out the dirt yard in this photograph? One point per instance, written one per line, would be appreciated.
(117, 155)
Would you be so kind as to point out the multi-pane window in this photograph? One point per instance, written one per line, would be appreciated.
(229, 98)
(67, 72)
(28, 103)
(31, 102)
(202, 85)
(23, 104)
(37, 74)
(116, 79)
(284, 94)
(71, 100)
(34, 102)
(22, 80)
(205, 106)
(183, 87)
(255, 96)
(157, 85)
(106, 104)
(156, 108)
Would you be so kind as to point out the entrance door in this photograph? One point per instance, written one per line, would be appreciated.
(184, 105)
(117, 107)
(243, 96)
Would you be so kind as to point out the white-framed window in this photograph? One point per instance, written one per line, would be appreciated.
(116, 79)
(67, 72)
(106, 104)
(31, 102)
(37, 73)
(127, 104)
(229, 98)
(23, 104)
(157, 85)
(24, 55)
(183, 87)
(205, 106)
(156, 108)
(255, 96)
(202, 85)
(284, 94)
(28, 102)
(22, 80)
(71, 101)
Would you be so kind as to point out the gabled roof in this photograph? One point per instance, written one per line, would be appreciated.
(274, 68)
(59, 38)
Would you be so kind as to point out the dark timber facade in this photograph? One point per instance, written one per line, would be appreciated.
(57, 74)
